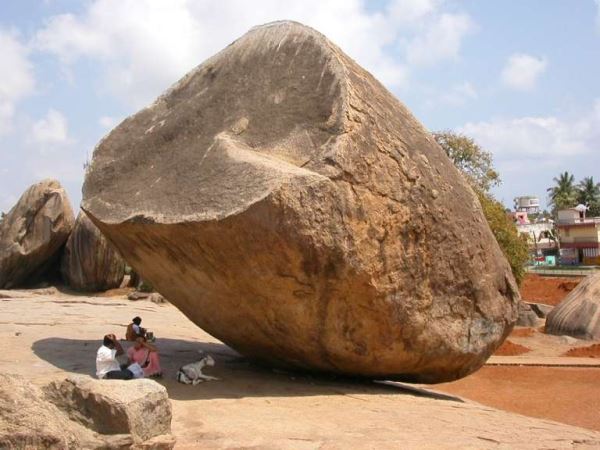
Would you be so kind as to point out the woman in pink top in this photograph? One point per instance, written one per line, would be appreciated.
(146, 355)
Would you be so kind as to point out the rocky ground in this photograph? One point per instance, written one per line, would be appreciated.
(49, 335)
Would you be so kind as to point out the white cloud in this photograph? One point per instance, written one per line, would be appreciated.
(546, 138)
(16, 77)
(522, 71)
(7, 112)
(459, 94)
(598, 14)
(52, 129)
(144, 46)
(529, 151)
(441, 41)
(409, 11)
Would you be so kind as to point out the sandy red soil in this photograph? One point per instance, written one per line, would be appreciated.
(509, 348)
(592, 351)
(523, 332)
(565, 394)
(548, 290)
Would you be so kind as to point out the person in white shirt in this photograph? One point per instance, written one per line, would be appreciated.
(107, 366)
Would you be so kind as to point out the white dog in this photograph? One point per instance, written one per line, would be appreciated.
(192, 373)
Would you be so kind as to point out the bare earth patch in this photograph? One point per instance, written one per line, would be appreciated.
(509, 348)
(566, 394)
(547, 290)
(592, 351)
(522, 332)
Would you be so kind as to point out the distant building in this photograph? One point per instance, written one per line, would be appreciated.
(528, 203)
(579, 236)
(538, 236)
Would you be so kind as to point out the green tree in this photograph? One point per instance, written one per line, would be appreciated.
(473, 161)
(477, 166)
(563, 194)
(514, 246)
(588, 193)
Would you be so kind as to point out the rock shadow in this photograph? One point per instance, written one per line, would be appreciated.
(239, 377)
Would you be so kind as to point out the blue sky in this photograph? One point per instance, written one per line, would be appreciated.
(520, 77)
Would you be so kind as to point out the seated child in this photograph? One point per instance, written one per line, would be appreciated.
(134, 330)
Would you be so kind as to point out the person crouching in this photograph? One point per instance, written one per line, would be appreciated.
(107, 366)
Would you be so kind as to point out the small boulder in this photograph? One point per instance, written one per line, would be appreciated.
(90, 262)
(527, 317)
(578, 315)
(155, 297)
(137, 295)
(84, 413)
(33, 233)
(540, 309)
(140, 407)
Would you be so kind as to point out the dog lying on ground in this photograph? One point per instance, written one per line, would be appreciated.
(192, 373)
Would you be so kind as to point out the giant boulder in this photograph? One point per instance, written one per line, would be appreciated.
(292, 207)
(578, 315)
(33, 233)
(89, 261)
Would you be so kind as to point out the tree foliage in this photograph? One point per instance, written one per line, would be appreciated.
(563, 194)
(476, 164)
(588, 193)
(473, 161)
(514, 246)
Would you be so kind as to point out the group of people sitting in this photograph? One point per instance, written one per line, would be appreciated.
(142, 356)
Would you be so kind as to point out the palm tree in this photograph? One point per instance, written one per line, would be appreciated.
(563, 194)
(588, 193)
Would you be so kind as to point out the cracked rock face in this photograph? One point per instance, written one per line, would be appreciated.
(33, 233)
(289, 205)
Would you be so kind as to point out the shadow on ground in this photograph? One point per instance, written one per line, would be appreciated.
(239, 377)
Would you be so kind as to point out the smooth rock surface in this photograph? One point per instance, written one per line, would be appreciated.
(89, 261)
(578, 315)
(79, 413)
(289, 205)
(32, 234)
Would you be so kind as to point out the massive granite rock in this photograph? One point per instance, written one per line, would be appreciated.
(80, 412)
(291, 206)
(578, 315)
(33, 233)
(89, 261)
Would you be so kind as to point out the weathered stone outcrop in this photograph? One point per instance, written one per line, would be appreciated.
(89, 261)
(83, 413)
(527, 317)
(289, 205)
(33, 233)
(578, 315)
